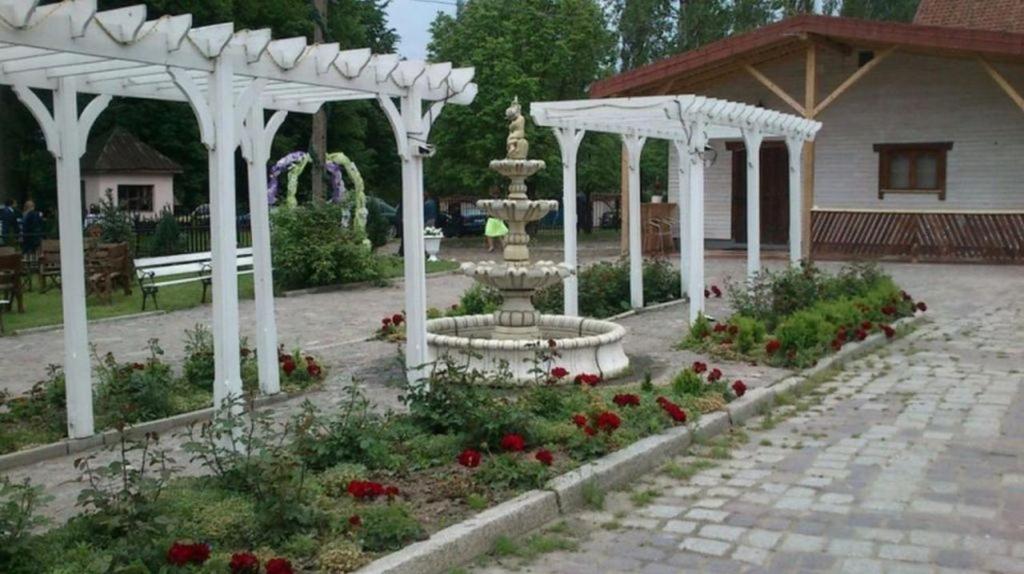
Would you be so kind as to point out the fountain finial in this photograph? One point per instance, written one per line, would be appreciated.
(517, 147)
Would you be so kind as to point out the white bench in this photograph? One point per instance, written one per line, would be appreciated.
(185, 268)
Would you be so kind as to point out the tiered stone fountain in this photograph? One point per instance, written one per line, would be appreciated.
(510, 338)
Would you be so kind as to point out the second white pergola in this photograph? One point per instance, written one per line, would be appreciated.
(689, 122)
(229, 78)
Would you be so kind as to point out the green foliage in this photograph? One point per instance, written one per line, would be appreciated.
(749, 333)
(134, 392)
(37, 418)
(198, 368)
(312, 248)
(688, 382)
(478, 300)
(593, 495)
(340, 556)
(604, 288)
(566, 49)
(19, 507)
(512, 471)
(167, 234)
(115, 224)
(355, 434)
(377, 226)
(388, 527)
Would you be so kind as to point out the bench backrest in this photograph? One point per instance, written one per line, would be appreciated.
(187, 263)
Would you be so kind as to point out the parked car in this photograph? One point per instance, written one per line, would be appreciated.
(467, 220)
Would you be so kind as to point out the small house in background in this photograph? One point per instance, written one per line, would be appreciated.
(140, 179)
(919, 155)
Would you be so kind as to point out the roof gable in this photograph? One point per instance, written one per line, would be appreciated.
(1000, 15)
(120, 151)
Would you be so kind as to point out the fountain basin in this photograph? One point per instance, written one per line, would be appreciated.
(517, 210)
(585, 345)
(517, 277)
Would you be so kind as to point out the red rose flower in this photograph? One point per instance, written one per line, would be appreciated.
(579, 420)
(888, 310)
(469, 458)
(906, 296)
(867, 325)
(391, 491)
(608, 421)
(626, 400)
(363, 489)
(397, 319)
(733, 329)
(921, 306)
(591, 431)
(244, 563)
(673, 410)
(288, 366)
(513, 442)
(587, 379)
(314, 370)
(179, 554)
(889, 331)
(544, 457)
(739, 387)
(707, 293)
(720, 327)
(714, 375)
(355, 521)
(559, 372)
(716, 291)
(279, 566)
(837, 344)
(773, 346)
(861, 334)
(699, 367)
(200, 552)
(386, 321)
(841, 333)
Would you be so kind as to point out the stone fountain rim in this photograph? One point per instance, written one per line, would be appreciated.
(597, 333)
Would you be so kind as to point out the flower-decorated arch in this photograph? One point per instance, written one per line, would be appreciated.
(295, 163)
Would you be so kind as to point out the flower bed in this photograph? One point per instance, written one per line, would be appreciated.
(328, 492)
(134, 392)
(795, 317)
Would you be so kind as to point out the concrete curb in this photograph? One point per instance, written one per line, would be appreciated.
(462, 542)
(46, 328)
(643, 310)
(110, 437)
(359, 285)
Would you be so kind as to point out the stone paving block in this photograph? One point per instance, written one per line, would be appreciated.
(706, 514)
(680, 526)
(706, 546)
(722, 532)
(751, 555)
(802, 543)
(846, 547)
(861, 566)
(904, 552)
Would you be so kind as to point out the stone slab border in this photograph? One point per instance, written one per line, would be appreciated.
(56, 327)
(458, 544)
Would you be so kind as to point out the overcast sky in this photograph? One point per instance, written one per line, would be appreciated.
(411, 19)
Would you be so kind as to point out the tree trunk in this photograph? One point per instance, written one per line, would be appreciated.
(318, 138)
(6, 144)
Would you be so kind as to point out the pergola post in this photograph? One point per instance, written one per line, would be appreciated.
(695, 227)
(223, 236)
(569, 142)
(752, 141)
(634, 146)
(66, 133)
(796, 209)
(259, 136)
(683, 203)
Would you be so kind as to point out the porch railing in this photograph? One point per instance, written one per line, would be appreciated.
(904, 235)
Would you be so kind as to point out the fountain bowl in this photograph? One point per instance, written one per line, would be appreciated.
(585, 345)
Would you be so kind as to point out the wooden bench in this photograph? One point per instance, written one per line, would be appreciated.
(180, 269)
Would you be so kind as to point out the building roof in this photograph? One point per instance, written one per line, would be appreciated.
(788, 36)
(121, 152)
(1002, 15)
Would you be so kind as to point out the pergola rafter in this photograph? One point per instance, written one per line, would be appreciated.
(689, 122)
(229, 79)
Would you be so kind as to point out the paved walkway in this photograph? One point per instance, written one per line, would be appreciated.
(908, 461)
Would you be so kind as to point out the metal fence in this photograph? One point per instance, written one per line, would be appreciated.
(193, 237)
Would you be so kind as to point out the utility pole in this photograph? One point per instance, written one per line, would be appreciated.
(318, 138)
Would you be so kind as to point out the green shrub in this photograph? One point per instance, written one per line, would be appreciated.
(198, 368)
(507, 471)
(311, 248)
(388, 527)
(167, 234)
(478, 300)
(688, 382)
(749, 333)
(377, 226)
(604, 288)
(133, 392)
(340, 556)
(115, 224)
(19, 515)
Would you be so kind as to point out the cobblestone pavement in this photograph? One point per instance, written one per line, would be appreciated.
(907, 461)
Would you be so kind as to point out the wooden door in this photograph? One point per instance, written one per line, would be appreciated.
(774, 193)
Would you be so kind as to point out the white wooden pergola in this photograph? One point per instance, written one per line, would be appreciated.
(229, 78)
(689, 122)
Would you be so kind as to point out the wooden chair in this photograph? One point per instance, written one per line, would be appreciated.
(107, 267)
(11, 280)
(49, 265)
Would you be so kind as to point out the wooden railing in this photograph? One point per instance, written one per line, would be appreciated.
(978, 236)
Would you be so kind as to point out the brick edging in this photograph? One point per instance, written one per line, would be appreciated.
(458, 544)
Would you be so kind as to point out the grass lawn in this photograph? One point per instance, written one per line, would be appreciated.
(42, 309)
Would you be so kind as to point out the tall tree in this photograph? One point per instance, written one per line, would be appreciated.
(645, 29)
(895, 10)
(534, 49)
(700, 22)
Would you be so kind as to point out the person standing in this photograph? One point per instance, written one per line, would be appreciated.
(495, 229)
(31, 229)
(9, 222)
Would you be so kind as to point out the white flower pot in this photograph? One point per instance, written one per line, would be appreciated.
(432, 245)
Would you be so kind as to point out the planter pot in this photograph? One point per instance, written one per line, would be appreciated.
(432, 245)
(656, 199)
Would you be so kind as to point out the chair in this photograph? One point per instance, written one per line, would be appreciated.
(49, 265)
(106, 267)
(11, 280)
